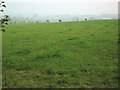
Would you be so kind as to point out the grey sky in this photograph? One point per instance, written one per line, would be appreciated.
(60, 7)
(61, 0)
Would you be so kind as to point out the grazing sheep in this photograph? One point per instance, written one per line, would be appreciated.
(77, 19)
(60, 20)
(10, 22)
(85, 19)
(15, 22)
(25, 21)
(38, 21)
(48, 20)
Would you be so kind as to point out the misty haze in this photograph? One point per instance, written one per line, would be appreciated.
(67, 11)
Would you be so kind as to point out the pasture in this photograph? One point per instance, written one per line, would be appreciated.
(80, 54)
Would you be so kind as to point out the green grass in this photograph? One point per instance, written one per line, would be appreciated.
(61, 55)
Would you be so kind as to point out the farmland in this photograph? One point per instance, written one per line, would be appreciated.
(80, 54)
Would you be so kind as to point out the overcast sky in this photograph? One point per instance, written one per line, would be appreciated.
(61, 7)
(62, 0)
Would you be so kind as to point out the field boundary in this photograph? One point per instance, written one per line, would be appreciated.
(0, 60)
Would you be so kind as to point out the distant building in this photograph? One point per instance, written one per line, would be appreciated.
(91, 18)
(106, 18)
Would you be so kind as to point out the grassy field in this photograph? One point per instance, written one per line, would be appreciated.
(61, 55)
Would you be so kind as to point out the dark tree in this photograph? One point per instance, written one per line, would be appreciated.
(5, 19)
